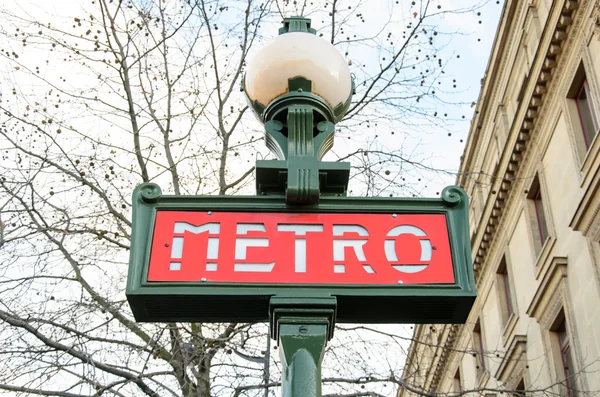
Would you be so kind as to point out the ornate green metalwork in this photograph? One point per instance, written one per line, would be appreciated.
(296, 24)
(300, 131)
(302, 345)
(301, 316)
(302, 326)
(284, 308)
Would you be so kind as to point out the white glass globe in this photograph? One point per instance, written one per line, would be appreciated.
(298, 54)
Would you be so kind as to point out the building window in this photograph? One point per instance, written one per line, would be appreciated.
(520, 389)
(566, 363)
(504, 291)
(456, 382)
(478, 347)
(564, 357)
(540, 215)
(582, 111)
(539, 218)
(586, 113)
(547, 308)
(522, 89)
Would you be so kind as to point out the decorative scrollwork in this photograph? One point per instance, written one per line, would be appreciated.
(596, 18)
(453, 195)
(150, 192)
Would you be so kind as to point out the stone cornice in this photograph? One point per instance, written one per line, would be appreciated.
(525, 121)
(447, 351)
(504, 35)
(552, 44)
(512, 364)
(589, 207)
(548, 298)
(596, 17)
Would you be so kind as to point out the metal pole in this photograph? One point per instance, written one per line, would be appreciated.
(267, 363)
(302, 348)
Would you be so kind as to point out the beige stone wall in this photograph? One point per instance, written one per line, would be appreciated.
(526, 135)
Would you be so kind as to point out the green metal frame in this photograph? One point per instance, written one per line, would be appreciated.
(299, 130)
(302, 348)
(296, 24)
(219, 302)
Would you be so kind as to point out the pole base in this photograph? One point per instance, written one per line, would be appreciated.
(302, 326)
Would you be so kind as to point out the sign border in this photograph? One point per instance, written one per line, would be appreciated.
(222, 302)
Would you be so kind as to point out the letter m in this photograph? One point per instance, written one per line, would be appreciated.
(177, 245)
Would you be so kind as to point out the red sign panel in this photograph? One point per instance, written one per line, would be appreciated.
(300, 248)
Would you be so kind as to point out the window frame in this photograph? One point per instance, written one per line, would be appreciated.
(505, 294)
(550, 307)
(520, 390)
(506, 288)
(457, 382)
(540, 221)
(512, 370)
(478, 348)
(567, 361)
(585, 146)
(584, 87)
(540, 215)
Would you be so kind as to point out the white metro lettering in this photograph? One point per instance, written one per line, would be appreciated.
(300, 243)
(346, 240)
(339, 247)
(242, 244)
(390, 248)
(177, 244)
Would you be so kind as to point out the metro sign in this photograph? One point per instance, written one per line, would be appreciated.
(259, 247)
(379, 260)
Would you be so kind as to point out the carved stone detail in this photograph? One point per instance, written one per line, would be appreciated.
(534, 113)
(596, 18)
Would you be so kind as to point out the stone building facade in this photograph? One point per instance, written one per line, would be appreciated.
(532, 169)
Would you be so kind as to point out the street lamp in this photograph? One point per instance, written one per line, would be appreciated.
(299, 85)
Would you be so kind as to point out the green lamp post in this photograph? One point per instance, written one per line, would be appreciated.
(296, 254)
(299, 85)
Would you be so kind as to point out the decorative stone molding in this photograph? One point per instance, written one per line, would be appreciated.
(549, 297)
(508, 333)
(527, 127)
(596, 18)
(527, 116)
(587, 215)
(449, 344)
(512, 367)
